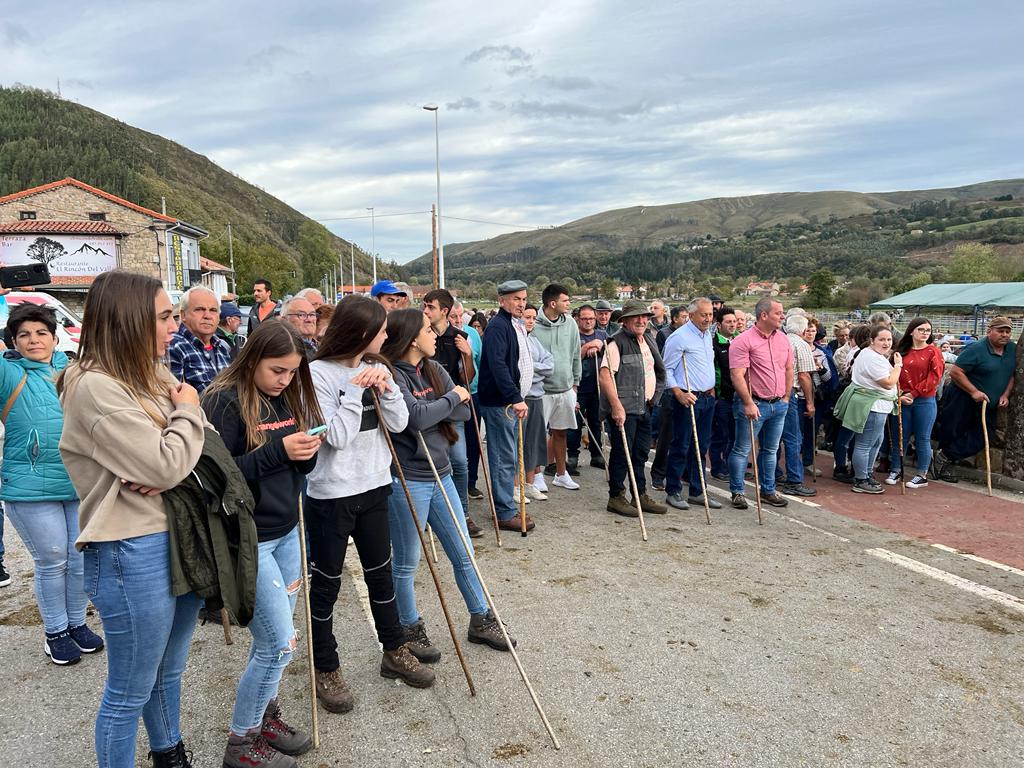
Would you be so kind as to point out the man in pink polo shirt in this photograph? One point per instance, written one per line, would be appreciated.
(761, 368)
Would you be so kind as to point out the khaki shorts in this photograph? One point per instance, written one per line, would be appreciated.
(560, 410)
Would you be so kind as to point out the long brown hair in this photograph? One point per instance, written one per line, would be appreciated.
(356, 321)
(404, 325)
(119, 333)
(272, 338)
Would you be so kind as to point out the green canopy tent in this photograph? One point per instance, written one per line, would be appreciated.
(972, 297)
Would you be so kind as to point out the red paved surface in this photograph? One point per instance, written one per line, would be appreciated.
(939, 514)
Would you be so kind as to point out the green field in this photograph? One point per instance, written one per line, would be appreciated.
(984, 224)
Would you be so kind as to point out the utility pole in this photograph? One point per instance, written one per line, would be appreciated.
(352, 254)
(433, 241)
(231, 255)
(373, 244)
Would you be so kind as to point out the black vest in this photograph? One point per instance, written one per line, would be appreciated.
(629, 381)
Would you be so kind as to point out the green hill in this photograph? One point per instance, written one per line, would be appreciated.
(43, 139)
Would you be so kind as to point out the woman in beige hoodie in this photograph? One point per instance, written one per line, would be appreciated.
(130, 432)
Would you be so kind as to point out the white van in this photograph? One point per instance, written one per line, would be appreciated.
(69, 325)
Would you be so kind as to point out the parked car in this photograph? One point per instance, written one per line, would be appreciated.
(69, 325)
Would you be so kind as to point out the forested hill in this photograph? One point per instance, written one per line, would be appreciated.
(44, 139)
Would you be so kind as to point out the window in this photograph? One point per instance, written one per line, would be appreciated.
(28, 215)
(97, 217)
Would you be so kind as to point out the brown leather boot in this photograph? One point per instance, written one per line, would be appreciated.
(400, 664)
(333, 692)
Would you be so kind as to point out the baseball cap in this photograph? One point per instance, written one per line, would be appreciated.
(386, 287)
(227, 309)
(1000, 321)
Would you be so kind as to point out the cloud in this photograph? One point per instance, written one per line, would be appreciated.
(466, 102)
(567, 83)
(546, 110)
(268, 58)
(516, 60)
(78, 82)
(13, 34)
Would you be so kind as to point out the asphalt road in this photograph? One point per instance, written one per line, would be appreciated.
(809, 641)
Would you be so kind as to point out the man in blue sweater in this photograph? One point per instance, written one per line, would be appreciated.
(506, 372)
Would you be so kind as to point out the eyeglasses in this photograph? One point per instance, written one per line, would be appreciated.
(923, 329)
(303, 315)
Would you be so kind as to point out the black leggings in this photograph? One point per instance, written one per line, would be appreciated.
(364, 517)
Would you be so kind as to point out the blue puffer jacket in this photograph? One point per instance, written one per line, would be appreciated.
(32, 468)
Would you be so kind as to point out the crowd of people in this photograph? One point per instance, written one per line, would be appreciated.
(112, 459)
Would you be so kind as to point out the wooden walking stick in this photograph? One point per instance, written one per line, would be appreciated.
(423, 546)
(696, 445)
(487, 595)
(225, 622)
(309, 623)
(988, 454)
(520, 471)
(483, 465)
(757, 478)
(433, 544)
(594, 439)
(632, 481)
(903, 459)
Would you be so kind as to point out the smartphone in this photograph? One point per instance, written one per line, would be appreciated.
(317, 430)
(24, 275)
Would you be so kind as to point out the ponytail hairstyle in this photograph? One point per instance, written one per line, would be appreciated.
(355, 323)
(273, 338)
(862, 336)
(907, 340)
(404, 325)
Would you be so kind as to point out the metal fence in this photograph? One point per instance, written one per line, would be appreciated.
(941, 324)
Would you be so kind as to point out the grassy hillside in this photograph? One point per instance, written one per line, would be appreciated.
(43, 139)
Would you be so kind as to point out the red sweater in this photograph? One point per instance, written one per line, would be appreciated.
(922, 371)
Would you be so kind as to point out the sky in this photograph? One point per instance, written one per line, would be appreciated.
(547, 111)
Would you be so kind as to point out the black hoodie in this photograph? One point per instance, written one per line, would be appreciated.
(275, 480)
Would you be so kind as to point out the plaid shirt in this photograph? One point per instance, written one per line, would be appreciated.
(195, 363)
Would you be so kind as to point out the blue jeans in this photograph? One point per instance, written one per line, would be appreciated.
(472, 447)
(723, 432)
(148, 632)
(868, 442)
(405, 543)
(2, 550)
(460, 463)
(792, 444)
(682, 458)
(49, 530)
(278, 579)
(918, 420)
(768, 431)
(501, 458)
(842, 448)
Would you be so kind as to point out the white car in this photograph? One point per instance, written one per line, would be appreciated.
(69, 325)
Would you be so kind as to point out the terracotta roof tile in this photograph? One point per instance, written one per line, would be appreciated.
(40, 226)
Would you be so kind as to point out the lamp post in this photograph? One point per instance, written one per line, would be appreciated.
(373, 244)
(437, 164)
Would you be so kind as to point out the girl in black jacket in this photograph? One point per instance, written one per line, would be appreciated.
(262, 405)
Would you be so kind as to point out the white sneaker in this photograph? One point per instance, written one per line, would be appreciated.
(533, 493)
(515, 495)
(894, 477)
(565, 481)
(539, 484)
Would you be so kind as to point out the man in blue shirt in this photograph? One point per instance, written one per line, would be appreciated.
(693, 389)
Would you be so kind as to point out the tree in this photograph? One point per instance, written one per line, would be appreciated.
(608, 289)
(266, 261)
(819, 288)
(318, 257)
(44, 250)
(973, 263)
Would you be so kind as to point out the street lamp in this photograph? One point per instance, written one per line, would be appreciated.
(373, 245)
(437, 162)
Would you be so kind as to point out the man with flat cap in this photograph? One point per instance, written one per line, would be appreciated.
(389, 294)
(506, 373)
(983, 375)
(604, 317)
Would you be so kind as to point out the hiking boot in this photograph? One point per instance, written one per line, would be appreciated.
(774, 499)
(61, 648)
(698, 501)
(484, 629)
(416, 640)
(474, 530)
(721, 476)
(739, 501)
(798, 489)
(175, 757)
(866, 486)
(658, 483)
(514, 524)
(86, 640)
(281, 736)
(474, 493)
(400, 664)
(5, 577)
(253, 751)
(333, 692)
(676, 500)
(597, 461)
(652, 507)
(618, 505)
(843, 474)
(893, 477)
(919, 481)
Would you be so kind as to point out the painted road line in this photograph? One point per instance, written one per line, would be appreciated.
(1006, 600)
(982, 560)
(726, 495)
(800, 499)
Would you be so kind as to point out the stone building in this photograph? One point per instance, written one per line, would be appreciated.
(80, 231)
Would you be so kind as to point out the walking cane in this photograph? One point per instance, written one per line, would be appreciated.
(988, 454)
(483, 464)
(433, 544)
(632, 480)
(903, 459)
(757, 479)
(309, 623)
(487, 595)
(696, 445)
(594, 440)
(423, 546)
(520, 471)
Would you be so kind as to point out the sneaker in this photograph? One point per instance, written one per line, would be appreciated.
(416, 640)
(619, 505)
(698, 501)
(515, 496)
(281, 736)
(812, 471)
(570, 470)
(798, 489)
(400, 664)
(739, 501)
(565, 481)
(86, 640)
(539, 483)
(474, 493)
(893, 477)
(919, 481)
(658, 483)
(5, 577)
(843, 474)
(474, 530)
(720, 476)
(652, 507)
(61, 648)
(774, 499)
(484, 629)
(597, 461)
(253, 751)
(866, 486)
(676, 500)
(534, 494)
(333, 692)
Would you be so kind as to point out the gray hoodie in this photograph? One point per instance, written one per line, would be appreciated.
(560, 337)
